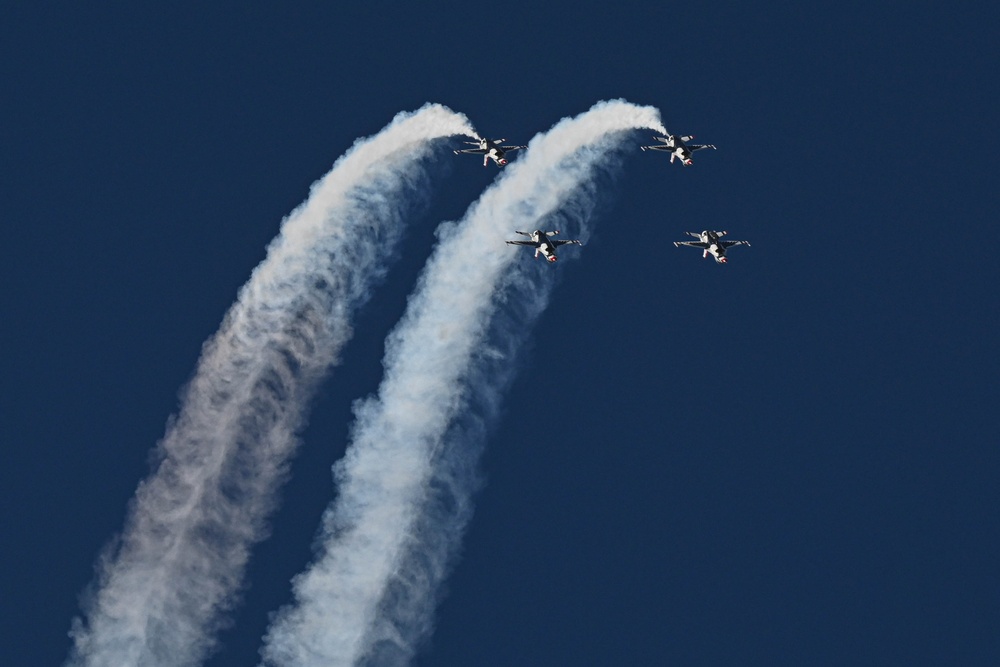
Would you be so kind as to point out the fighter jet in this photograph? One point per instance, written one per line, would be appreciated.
(678, 148)
(541, 242)
(490, 149)
(710, 244)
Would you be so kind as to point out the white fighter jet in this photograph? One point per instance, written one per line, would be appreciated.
(541, 242)
(490, 149)
(678, 147)
(710, 244)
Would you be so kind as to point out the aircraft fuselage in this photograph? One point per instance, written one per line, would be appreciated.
(497, 155)
(545, 246)
(715, 248)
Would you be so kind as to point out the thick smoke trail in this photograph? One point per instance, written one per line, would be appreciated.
(406, 480)
(164, 588)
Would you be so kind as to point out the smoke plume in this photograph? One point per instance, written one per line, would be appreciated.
(405, 483)
(165, 586)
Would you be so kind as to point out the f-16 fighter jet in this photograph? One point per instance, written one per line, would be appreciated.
(710, 244)
(490, 149)
(678, 148)
(541, 242)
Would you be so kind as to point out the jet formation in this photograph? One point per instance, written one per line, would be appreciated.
(708, 240)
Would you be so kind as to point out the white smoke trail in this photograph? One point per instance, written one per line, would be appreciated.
(404, 493)
(162, 592)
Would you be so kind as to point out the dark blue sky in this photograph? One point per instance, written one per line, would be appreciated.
(791, 459)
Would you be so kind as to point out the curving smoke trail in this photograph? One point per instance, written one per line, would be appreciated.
(164, 588)
(406, 479)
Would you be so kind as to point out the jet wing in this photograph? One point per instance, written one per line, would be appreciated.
(656, 148)
(693, 244)
(562, 242)
(730, 244)
(512, 148)
(698, 147)
(527, 243)
(473, 151)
